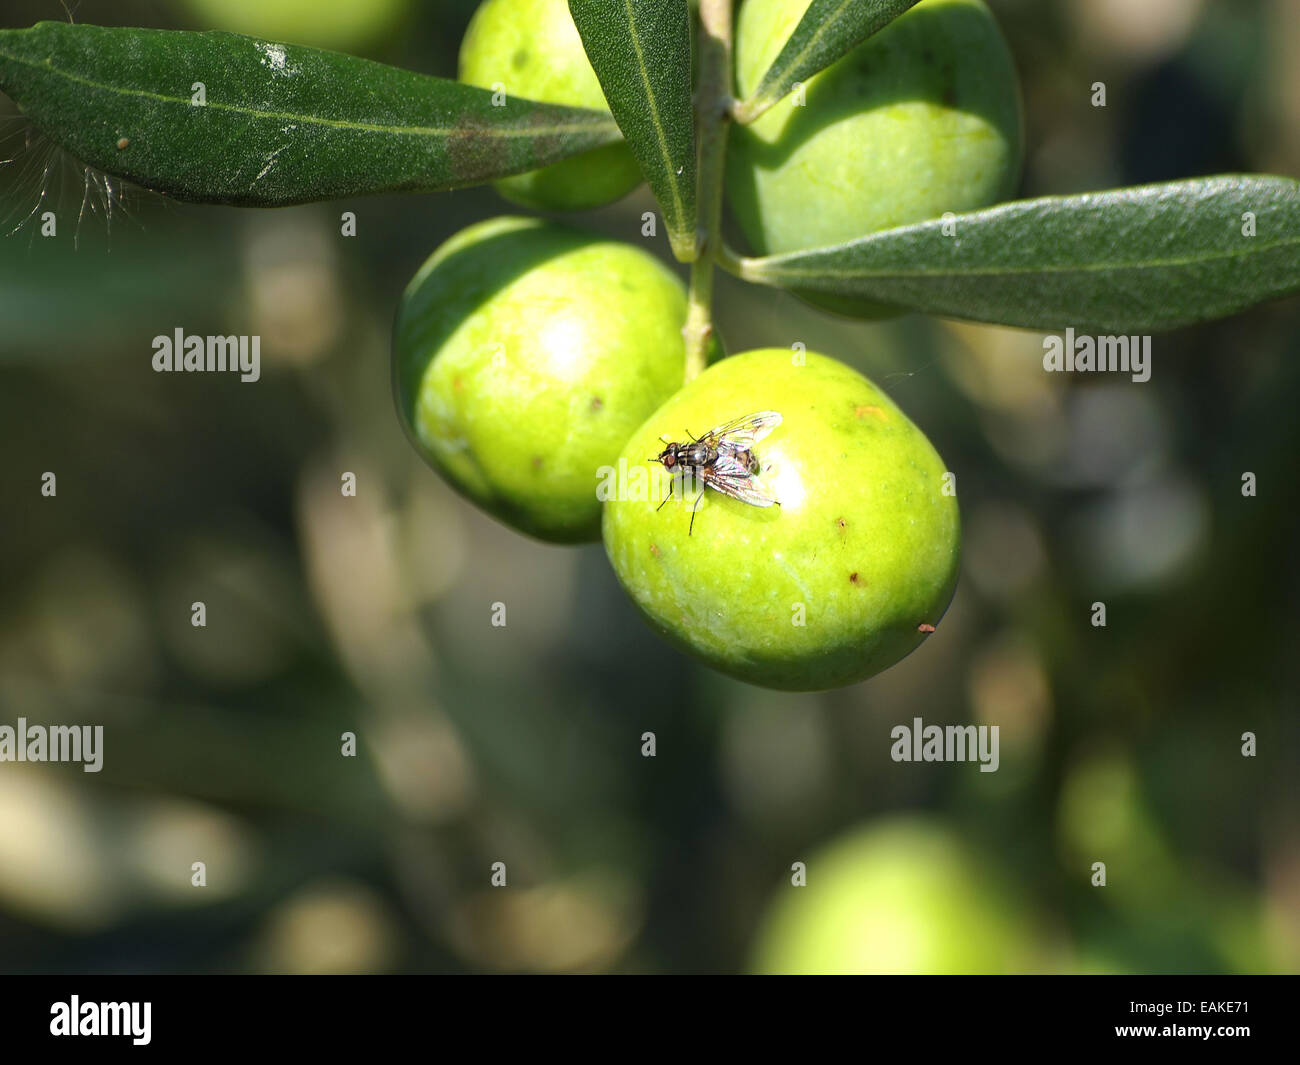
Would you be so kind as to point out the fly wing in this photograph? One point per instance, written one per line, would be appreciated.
(734, 480)
(742, 433)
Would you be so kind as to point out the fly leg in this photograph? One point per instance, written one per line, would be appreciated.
(672, 481)
(694, 508)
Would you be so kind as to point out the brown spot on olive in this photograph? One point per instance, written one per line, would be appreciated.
(654, 550)
(854, 578)
(868, 409)
(597, 403)
(927, 629)
(537, 462)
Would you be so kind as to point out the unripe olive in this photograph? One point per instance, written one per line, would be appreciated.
(343, 25)
(902, 896)
(841, 579)
(919, 120)
(525, 354)
(531, 48)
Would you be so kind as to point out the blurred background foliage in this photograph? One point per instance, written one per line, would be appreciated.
(523, 744)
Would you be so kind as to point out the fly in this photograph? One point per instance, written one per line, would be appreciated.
(724, 460)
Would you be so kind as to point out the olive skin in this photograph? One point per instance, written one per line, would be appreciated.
(849, 573)
(921, 119)
(903, 895)
(343, 26)
(532, 49)
(525, 353)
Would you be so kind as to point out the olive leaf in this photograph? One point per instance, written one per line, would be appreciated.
(829, 30)
(222, 118)
(1147, 258)
(641, 52)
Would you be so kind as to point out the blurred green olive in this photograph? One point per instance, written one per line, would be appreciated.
(342, 25)
(903, 896)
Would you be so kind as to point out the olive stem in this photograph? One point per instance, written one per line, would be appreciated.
(744, 112)
(712, 114)
(729, 259)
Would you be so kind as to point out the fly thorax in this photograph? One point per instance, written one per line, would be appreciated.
(702, 455)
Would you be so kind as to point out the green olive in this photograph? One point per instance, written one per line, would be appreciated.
(525, 354)
(531, 48)
(919, 120)
(345, 25)
(902, 896)
(845, 576)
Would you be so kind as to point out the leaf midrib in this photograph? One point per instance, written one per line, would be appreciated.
(775, 267)
(661, 134)
(306, 119)
(767, 88)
